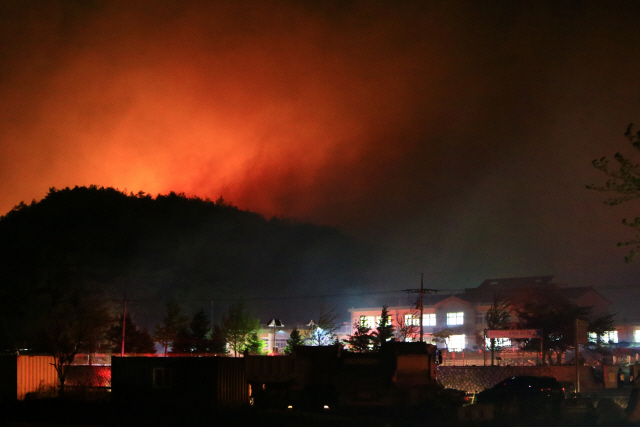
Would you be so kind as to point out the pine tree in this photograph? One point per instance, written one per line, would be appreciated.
(361, 341)
(136, 340)
(200, 329)
(255, 344)
(385, 330)
(295, 339)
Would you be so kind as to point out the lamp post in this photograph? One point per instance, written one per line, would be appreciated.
(275, 323)
(311, 324)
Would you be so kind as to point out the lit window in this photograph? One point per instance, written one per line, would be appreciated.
(456, 342)
(389, 321)
(161, 377)
(369, 321)
(609, 336)
(455, 318)
(636, 335)
(411, 320)
(429, 319)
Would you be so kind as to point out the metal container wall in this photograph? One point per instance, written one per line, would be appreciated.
(233, 389)
(33, 372)
(267, 369)
(194, 381)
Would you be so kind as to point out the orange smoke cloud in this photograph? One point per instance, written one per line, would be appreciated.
(267, 109)
(453, 130)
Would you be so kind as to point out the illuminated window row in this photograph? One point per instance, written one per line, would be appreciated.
(427, 320)
(607, 337)
(373, 321)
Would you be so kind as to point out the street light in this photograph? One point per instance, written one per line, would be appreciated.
(311, 324)
(275, 323)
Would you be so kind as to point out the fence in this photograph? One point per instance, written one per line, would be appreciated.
(482, 358)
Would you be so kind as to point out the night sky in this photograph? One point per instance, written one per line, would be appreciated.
(457, 135)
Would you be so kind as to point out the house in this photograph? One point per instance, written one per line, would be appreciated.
(463, 313)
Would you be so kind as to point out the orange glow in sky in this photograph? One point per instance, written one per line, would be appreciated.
(458, 134)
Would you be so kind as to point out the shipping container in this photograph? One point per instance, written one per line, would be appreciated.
(20, 375)
(179, 381)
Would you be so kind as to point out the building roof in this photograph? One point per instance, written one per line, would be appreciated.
(512, 282)
(517, 289)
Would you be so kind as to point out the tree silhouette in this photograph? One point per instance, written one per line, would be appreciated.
(322, 332)
(200, 330)
(361, 341)
(68, 322)
(385, 330)
(255, 344)
(624, 181)
(406, 331)
(173, 323)
(295, 339)
(136, 340)
(555, 316)
(498, 317)
(443, 336)
(237, 326)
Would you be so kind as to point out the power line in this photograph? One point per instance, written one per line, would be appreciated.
(267, 298)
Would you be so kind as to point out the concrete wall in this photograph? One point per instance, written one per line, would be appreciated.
(478, 378)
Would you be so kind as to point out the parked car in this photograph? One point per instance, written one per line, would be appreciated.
(525, 396)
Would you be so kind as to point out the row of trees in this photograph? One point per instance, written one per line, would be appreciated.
(550, 313)
(237, 333)
(365, 340)
(177, 333)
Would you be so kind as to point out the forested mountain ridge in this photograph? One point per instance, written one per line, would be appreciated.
(168, 247)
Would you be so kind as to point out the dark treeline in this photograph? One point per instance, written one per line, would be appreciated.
(168, 247)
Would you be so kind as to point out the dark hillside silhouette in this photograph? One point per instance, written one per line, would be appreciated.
(170, 247)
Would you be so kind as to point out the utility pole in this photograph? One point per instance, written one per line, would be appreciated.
(124, 316)
(582, 337)
(421, 291)
(211, 323)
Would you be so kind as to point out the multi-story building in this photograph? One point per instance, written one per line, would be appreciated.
(463, 314)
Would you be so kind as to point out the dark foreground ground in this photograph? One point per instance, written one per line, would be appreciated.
(102, 413)
(46, 413)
